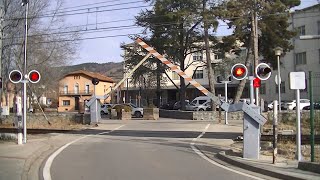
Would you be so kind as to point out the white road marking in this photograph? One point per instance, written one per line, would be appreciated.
(46, 169)
(196, 150)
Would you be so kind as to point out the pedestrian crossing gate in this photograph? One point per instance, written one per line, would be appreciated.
(252, 119)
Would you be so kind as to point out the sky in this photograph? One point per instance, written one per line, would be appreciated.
(107, 23)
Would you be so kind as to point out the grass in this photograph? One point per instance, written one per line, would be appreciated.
(287, 149)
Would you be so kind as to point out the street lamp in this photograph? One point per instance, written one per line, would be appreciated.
(278, 51)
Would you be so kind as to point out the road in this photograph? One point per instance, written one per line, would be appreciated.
(146, 150)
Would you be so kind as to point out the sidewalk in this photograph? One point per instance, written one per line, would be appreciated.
(283, 169)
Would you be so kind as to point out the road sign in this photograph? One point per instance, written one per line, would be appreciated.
(276, 79)
(297, 80)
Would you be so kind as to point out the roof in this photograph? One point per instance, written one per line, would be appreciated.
(92, 75)
(306, 8)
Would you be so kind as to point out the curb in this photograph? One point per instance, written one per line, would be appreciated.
(222, 156)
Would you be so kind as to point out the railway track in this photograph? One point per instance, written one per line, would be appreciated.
(305, 139)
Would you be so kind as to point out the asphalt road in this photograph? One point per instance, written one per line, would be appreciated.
(141, 150)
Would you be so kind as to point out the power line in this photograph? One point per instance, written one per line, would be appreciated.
(72, 14)
(55, 13)
(112, 28)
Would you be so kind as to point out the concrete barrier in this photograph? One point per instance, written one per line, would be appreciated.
(309, 166)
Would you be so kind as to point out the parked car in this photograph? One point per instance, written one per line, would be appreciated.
(105, 108)
(204, 107)
(283, 103)
(135, 111)
(316, 106)
(169, 105)
(291, 105)
(196, 102)
(177, 105)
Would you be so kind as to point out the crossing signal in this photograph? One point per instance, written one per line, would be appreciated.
(95, 81)
(239, 71)
(256, 82)
(15, 76)
(34, 76)
(263, 71)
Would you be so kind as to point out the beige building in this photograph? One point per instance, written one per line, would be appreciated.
(76, 87)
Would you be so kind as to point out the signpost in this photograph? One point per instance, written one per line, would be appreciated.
(297, 82)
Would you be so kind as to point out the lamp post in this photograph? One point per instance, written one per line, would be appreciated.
(278, 51)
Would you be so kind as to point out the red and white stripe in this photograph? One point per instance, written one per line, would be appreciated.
(173, 67)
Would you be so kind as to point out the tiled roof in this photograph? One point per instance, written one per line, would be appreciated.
(92, 75)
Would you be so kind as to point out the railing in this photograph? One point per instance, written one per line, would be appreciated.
(70, 93)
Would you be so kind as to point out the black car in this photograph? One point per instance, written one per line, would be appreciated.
(316, 106)
(169, 105)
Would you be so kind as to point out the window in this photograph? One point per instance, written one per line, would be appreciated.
(198, 74)
(217, 56)
(87, 89)
(76, 88)
(175, 76)
(301, 58)
(262, 89)
(318, 27)
(197, 56)
(301, 30)
(65, 89)
(66, 102)
(282, 87)
(76, 77)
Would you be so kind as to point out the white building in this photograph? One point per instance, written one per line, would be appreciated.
(305, 56)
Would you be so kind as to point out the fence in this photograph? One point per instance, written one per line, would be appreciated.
(314, 93)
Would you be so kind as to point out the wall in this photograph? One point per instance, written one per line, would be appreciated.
(38, 120)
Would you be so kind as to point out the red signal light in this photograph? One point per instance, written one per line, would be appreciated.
(34, 76)
(239, 71)
(256, 82)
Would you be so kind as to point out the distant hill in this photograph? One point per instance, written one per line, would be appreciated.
(110, 69)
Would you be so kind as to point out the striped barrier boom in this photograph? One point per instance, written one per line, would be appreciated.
(176, 69)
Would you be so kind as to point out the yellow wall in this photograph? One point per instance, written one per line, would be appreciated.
(101, 89)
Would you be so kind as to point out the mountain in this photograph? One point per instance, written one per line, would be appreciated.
(110, 69)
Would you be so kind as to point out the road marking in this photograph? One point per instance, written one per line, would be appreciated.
(46, 169)
(196, 150)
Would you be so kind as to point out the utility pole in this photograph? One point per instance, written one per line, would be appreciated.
(208, 58)
(255, 46)
(2, 12)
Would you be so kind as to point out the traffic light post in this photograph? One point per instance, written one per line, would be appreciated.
(15, 77)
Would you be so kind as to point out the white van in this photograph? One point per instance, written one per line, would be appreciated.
(197, 102)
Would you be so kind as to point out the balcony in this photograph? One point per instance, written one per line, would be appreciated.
(75, 93)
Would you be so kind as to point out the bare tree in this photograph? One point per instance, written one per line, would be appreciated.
(47, 47)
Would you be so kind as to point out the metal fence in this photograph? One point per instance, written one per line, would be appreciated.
(314, 93)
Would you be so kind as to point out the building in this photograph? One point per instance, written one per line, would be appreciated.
(76, 87)
(305, 56)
